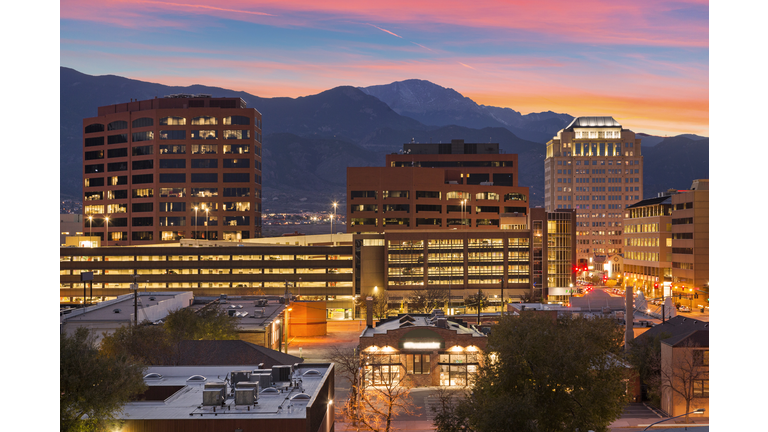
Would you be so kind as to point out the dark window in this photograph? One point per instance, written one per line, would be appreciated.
(363, 194)
(237, 120)
(95, 141)
(173, 134)
(141, 235)
(237, 192)
(142, 178)
(142, 164)
(701, 388)
(257, 165)
(205, 163)
(172, 221)
(96, 127)
(117, 222)
(142, 136)
(173, 163)
(118, 152)
(503, 179)
(470, 148)
(117, 139)
(236, 177)
(142, 150)
(257, 180)
(117, 166)
(257, 150)
(94, 182)
(98, 154)
(117, 194)
(173, 178)
(142, 122)
(95, 168)
(117, 125)
(237, 163)
(206, 177)
(142, 221)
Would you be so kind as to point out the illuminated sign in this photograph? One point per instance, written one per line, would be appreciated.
(421, 345)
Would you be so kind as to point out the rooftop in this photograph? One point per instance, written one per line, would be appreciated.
(152, 306)
(256, 313)
(652, 201)
(676, 327)
(592, 122)
(231, 352)
(186, 397)
(420, 320)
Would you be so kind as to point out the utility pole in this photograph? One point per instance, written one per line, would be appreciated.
(135, 288)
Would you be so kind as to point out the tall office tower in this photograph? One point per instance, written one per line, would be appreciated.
(690, 244)
(438, 186)
(163, 169)
(596, 167)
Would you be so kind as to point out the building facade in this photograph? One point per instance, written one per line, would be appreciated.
(690, 244)
(424, 350)
(507, 265)
(596, 167)
(648, 246)
(437, 186)
(170, 168)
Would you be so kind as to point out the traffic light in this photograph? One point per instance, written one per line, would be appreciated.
(655, 285)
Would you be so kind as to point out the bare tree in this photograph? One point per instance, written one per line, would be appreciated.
(381, 403)
(684, 371)
(426, 299)
(347, 364)
(448, 414)
(381, 305)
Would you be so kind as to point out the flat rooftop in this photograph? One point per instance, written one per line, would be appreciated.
(252, 316)
(186, 402)
(149, 305)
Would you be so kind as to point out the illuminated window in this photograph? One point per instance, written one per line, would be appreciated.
(236, 134)
(204, 120)
(237, 120)
(236, 148)
(205, 149)
(173, 121)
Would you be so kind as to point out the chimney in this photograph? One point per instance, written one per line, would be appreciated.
(369, 312)
(630, 314)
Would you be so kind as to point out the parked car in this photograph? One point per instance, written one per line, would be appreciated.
(684, 308)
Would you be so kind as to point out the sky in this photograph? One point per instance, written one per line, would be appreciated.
(644, 63)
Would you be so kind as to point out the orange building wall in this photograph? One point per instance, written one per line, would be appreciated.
(308, 319)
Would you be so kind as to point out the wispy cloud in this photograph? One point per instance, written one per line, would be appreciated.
(384, 30)
(204, 7)
(466, 65)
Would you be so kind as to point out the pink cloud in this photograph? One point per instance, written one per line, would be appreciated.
(592, 21)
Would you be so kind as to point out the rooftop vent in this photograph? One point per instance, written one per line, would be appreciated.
(152, 299)
(269, 390)
(301, 397)
(312, 372)
(153, 376)
(196, 378)
(116, 310)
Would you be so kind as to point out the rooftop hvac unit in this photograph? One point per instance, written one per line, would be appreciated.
(246, 395)
(238, 376)
(281, 373)
(214, 393)
(264, 379)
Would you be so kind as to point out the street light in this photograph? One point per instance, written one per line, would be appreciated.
(206, 223)
(334, 217)
(90, 229)
(697, 411)
(106, 236)
(194, 223)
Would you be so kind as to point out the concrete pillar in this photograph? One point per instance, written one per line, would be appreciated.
(369, 312)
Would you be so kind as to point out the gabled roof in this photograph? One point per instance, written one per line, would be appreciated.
(587, 122)
(698, 338)
(230, 352)
(676, 327)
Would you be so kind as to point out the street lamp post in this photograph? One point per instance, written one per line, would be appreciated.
(206, 223)
(194, 227)
(90, 229)
(106, 235)
(698, 411)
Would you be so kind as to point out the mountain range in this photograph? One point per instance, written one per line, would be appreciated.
(309, 141)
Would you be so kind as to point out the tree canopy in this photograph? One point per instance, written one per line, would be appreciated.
(546, 374)
(426, 299)
(159, 344)
(94, 386)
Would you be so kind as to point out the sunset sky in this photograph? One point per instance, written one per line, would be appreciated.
(644, 63)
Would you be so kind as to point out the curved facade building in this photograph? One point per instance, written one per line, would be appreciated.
(148, 164)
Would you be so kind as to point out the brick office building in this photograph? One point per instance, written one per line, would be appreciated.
(148, 164)
(430, 350)
(437, 186)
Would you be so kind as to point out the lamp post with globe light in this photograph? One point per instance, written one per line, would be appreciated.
(106, 235)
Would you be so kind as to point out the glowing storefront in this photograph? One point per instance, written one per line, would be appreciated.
(426, 350)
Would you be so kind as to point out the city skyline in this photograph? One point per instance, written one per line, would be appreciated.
(647, 65)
